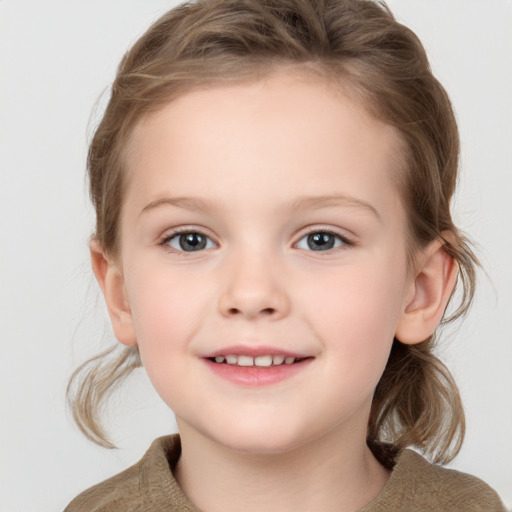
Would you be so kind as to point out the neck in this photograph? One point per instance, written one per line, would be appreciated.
(326, 474)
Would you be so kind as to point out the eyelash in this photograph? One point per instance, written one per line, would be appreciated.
(176, 233)
(345, 241)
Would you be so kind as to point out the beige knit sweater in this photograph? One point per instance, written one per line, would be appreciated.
(414, 485)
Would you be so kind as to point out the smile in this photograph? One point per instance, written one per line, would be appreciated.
(263, 361)
(255, 367)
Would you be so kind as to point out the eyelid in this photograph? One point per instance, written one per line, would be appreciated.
(347, 241)
(173, 232)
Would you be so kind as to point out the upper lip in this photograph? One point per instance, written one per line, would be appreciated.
(254, 351)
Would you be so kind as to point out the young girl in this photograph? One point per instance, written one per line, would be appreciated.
(272, 181)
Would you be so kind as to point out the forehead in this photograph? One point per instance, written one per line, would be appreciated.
(293, 128)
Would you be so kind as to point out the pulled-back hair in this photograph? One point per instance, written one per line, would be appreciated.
(354, 44)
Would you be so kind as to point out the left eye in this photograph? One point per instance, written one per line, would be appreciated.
(189, 242)
(320, 241)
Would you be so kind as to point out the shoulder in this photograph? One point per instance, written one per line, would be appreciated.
(416, 484)
(147, 485)
(117, 493)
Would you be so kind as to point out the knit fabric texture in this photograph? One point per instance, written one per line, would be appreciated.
(414, 485)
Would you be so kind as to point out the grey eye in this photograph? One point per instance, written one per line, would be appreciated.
(189, 242)
(320, 241)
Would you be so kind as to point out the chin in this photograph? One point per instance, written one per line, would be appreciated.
(273, 440)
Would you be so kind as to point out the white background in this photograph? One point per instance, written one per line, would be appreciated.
(56, 57)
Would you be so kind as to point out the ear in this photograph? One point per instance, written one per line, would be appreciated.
(111, 281)
(430, 290)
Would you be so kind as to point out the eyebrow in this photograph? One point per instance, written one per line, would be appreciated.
(301, 203)
(188, 203)
(317, 202)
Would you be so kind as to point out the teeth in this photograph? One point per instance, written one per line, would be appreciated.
(278, 360)
(262, 361)
(245, 361)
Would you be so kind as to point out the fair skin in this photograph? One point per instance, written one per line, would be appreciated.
(286, 191)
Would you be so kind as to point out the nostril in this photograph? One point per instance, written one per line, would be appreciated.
(265, 311)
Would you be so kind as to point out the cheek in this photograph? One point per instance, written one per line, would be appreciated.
(357, 319)
(166, 310)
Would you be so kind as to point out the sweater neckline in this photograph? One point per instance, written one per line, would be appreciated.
(160, 488)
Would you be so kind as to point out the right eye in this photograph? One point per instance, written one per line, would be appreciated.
(189, 241)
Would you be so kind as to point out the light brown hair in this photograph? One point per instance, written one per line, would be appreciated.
(354, 43)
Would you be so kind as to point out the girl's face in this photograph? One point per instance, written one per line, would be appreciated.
(263, 260)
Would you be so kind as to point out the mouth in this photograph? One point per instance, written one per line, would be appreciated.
(262, 361)
(255, 367)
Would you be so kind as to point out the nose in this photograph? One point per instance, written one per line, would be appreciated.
(253, 289)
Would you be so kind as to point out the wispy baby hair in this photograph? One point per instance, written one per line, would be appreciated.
(356, 45)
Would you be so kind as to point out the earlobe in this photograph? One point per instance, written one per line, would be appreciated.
(111, 282)
(431, 289)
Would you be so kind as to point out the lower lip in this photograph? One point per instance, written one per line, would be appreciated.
(254, 376)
